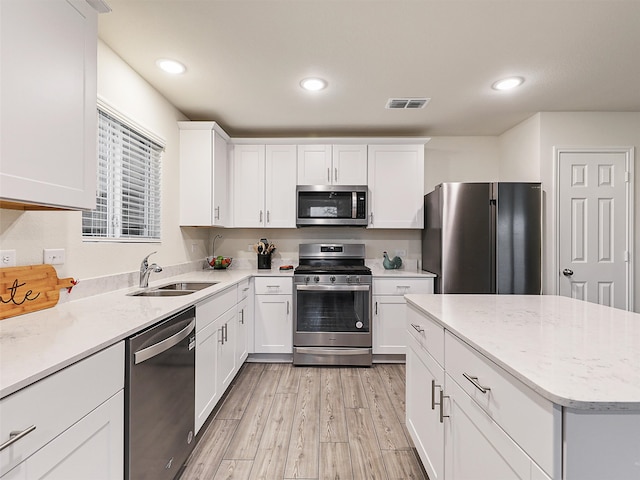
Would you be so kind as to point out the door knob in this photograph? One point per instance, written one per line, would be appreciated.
(567, 272)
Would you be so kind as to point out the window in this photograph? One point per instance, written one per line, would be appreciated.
(128, 190)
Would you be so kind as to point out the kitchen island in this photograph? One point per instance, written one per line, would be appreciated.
(505, 386)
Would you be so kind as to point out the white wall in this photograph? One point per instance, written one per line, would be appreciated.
(583, 129)
(29, 232)
(519, 158)
(461, 159)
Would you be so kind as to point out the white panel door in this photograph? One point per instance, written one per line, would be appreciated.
(593, 254)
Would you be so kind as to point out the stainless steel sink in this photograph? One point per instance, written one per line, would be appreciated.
(193, 286)
(162, 293)
(174, 289)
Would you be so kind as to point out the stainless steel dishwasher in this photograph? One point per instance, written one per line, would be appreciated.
(160, 397)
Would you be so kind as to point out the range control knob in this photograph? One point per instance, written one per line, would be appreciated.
(332, 278)
(306, 279)
(316, 279)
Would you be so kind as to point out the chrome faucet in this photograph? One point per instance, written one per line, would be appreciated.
(146, 269)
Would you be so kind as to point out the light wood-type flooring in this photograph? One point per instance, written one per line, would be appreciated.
(284, 422)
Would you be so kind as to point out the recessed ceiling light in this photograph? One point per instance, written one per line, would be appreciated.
(508, 83)
(171, 66)
(313, 84)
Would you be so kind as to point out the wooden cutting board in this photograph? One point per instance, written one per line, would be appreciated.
(29, 288)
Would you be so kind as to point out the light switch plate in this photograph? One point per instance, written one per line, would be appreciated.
(7, 258)
(401, 253)
(54, 256)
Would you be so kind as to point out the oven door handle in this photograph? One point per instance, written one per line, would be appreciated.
(327, 288)
(330, 351)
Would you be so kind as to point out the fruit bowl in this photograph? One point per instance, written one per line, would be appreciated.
(219, 262)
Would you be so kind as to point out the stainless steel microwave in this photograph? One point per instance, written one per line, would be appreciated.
(344, 205)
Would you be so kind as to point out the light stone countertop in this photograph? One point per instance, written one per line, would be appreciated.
(40, 343)
(574, 353)
(37, 344)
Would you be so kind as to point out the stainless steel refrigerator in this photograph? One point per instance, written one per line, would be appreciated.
(484, 237)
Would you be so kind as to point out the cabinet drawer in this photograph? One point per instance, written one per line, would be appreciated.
(402, 286)
(273, 285)
(429, 334)
(56, 402)
(243, 289)
(211, 308)
(527, 417)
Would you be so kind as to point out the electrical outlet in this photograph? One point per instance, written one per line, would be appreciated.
(7, 258)
(401, 253)
(194, 247)
(249, 248)
(54, 256)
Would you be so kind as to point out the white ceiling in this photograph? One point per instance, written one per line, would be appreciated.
(245, 60)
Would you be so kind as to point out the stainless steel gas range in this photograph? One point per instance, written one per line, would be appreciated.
(332, 306)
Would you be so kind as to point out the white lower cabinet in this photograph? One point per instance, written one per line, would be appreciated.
(215, 352)
(226, 359)
(390, 311)
(476, 448)
(78, 415)
(273, 316)
(91, 449)
(468, 419)
(243, 328)
(425, 377)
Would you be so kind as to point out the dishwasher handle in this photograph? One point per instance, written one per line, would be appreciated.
(156, 349)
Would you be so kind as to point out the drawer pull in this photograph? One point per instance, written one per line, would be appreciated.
(418, 328)
(16, 435)
(405, 287)
(475, 382)
(273, 286)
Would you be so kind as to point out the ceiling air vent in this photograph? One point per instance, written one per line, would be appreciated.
(406, 103)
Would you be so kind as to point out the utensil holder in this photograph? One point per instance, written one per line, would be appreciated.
(264, 262)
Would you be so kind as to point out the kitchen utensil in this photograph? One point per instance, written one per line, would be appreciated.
(30, 288)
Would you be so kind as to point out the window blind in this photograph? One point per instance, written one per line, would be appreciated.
(128, 188)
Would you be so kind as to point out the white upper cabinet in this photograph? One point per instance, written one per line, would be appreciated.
(396, 186)
(248, 185)
(314, 165)
(203, 174)
(280, 186)
(264, 186)
(349, 165)
(48, 79)
(332, 164)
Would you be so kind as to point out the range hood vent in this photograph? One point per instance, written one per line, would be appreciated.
(407, 103)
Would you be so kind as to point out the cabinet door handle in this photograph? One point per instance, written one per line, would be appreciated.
(17, 435)
(433, 394)
(242, 316)
(287, 307)
(434, 403)
(371, 218)
(328, 175)
(376, 308)
(417, 328)
(268, 217)
(260, 216)
(221, 336)
(442, 416)
(475, 382)
(217, 213)
(226, 332)
(336, 174)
